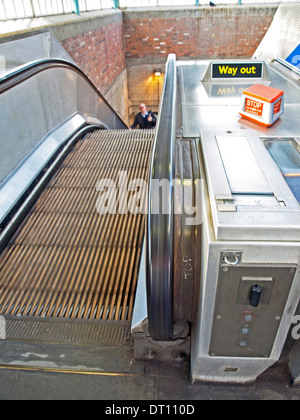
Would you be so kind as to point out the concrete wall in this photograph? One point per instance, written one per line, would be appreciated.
(144, 86)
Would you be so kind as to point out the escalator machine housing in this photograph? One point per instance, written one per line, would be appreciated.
(250, 257)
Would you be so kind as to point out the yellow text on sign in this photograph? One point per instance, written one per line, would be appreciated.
(233, 70)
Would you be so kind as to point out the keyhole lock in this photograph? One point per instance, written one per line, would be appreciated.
(255, 296)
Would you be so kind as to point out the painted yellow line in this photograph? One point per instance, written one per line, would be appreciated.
(58, 370)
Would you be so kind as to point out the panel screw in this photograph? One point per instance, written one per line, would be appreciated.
(150, 355)
(179, 358)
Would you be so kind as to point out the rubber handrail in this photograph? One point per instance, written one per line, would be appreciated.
(160, 237)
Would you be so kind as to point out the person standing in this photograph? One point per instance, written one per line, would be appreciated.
(144, 119)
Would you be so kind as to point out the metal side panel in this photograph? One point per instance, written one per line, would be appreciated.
(26, 50)
(248, 195)
(243, 171)
(233, 341)
(241, 329)
(19, 131)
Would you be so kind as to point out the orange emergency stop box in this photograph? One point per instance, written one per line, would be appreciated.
(262, 104)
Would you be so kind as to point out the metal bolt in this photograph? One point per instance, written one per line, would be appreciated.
(150, 355)
(245, 331)
(179, 358)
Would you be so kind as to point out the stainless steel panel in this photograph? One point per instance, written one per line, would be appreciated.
(58, 94)
(209, 105)
(243, 171)
(107, 116)
(256, 253)
(190, 74)
(197, 117)
(20, 179)
(239, 329)
(105, 113)
(26, 50)
(246, 205)
(86, 98)
(22, 125)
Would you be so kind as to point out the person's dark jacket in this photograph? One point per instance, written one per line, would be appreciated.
(142, 122)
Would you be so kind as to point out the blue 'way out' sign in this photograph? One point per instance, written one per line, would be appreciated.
(294, 58)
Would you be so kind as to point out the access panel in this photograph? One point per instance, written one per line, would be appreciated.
(250, 303)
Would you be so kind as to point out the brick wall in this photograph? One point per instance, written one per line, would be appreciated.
(99, 53)
(104, 51)
(199, 32)
(119, 49)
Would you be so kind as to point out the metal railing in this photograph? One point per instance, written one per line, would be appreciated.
(147, 3)
(16, 9)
